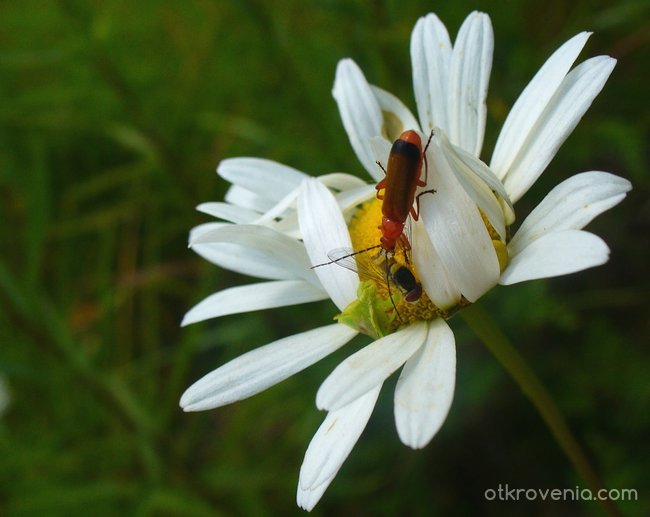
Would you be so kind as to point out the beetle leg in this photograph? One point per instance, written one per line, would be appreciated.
(415, 211)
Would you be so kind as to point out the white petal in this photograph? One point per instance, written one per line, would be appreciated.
(555, 124)
(380, 151)
(266, 246)
(330, 447)
(471, 63)
(532, 102)
(397, 117)
(359, 111)
(433, 275)
(323, 229)
(254, 297)
(228, 212)
(425, 388)
(242, 259)
(571, 205)
(555, 254)
(263, 367)
(430, 58)
(341, 181)
(246, 261)
(483, 173)
(244, 198)
(203, 228)
(283, 207)
(350, 199)
(466, 168)
(288, 225)
(265, 178)
(456, 230)
(369, 367)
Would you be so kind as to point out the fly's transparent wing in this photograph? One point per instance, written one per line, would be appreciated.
(365, 263)
(382, 268)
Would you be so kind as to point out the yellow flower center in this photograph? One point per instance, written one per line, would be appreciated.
(365, 233)
(377, 266)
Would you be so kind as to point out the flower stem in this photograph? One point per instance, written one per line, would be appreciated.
(490, 334)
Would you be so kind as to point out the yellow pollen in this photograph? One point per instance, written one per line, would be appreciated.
(500, 247)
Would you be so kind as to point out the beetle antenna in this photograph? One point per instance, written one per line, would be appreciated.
(347, 256)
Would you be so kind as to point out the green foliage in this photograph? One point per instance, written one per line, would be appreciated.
(114, 116)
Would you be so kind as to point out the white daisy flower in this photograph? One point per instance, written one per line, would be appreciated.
(460, 246)
(450, 84)
(351, 390)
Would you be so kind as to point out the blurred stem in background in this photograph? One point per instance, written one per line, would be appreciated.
(517, 367)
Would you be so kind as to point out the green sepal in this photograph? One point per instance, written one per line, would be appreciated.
(370, 313)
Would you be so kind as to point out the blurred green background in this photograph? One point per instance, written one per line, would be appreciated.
(114, 115)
